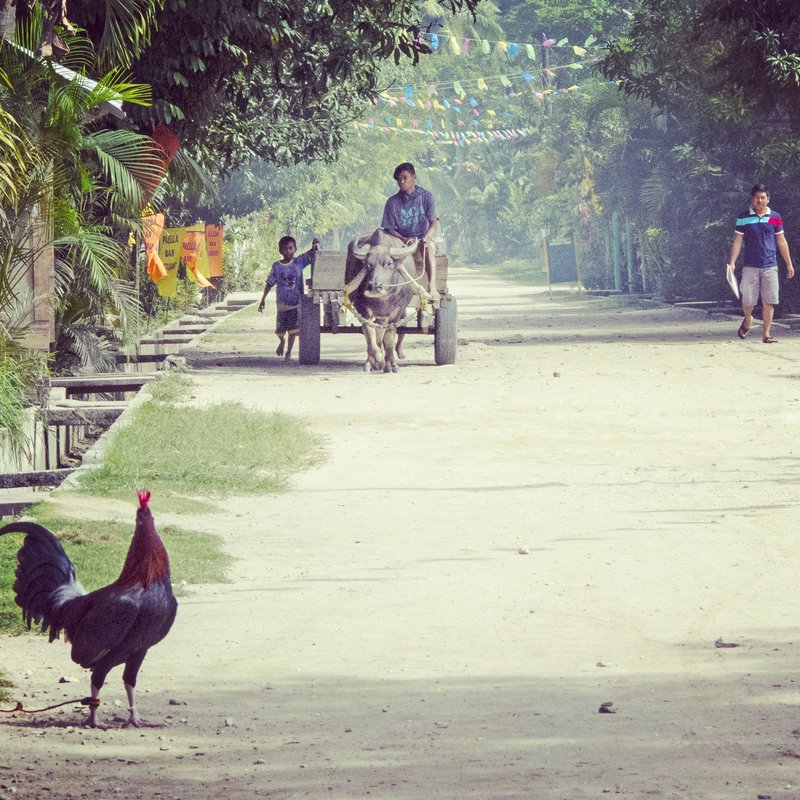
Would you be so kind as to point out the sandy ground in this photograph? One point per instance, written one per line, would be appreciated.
(571, 515)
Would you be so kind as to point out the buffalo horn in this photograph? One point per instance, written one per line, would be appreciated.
(361, 249)
(402, 252)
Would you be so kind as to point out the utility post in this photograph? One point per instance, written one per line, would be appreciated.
(629, 257)
(616, 250)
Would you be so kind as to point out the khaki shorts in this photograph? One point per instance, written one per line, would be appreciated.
(759, 281)
(418, 255)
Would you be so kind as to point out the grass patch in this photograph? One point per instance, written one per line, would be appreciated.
(212, 451)
(5, 684)
(98, 549)
(187, 454)
(171, 388)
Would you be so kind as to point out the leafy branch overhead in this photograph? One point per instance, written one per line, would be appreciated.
(274, 79)
(726, 58)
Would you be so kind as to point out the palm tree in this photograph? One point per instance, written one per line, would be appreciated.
(69, 184)
(85, 181)
(123, 26)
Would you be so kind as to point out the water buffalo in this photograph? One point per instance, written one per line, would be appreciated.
(382, 294)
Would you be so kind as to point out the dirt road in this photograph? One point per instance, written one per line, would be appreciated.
(571, 515)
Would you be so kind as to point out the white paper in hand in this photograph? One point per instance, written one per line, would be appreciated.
(732, 281)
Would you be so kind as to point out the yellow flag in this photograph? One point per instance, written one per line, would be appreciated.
(169, 250)
(482, 84)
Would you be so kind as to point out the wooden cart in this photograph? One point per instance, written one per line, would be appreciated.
(323, 310)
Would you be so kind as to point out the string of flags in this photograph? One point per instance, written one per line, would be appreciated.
(454, 137)
(199, 246)
(462, 46)
(433, 97)
(414, 93)
(480, 123)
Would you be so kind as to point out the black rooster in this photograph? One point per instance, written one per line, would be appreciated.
(110, 626)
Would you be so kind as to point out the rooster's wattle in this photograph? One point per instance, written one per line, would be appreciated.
(114, 625)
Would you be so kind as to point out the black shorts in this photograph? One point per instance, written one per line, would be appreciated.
(286, 322)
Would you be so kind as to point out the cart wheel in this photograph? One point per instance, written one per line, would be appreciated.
(309, 330)
(445, 335)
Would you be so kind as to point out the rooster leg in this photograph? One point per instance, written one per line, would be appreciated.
(134, 720)
(93, 708)
(132, 666)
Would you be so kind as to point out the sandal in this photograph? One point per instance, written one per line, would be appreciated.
(742, 332)
(769, 340)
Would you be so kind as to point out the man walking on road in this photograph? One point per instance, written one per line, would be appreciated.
(760, 230)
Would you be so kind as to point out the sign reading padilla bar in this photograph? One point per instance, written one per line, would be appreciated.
(199, 246)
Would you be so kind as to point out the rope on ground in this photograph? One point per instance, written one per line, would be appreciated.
(19, 708)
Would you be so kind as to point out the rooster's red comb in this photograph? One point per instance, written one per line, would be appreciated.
(144, 497)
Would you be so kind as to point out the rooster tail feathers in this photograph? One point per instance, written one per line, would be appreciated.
(45, 575)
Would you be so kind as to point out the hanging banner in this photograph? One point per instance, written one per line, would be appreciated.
(169, 251)
(166, 144)
(193, 254)
(214, 234)
(153, 225)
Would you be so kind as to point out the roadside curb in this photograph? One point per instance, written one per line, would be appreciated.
(94, 456)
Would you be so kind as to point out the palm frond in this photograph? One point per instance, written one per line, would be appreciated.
(130, 162)
(91, 349)
(95, 253)
(128, 24)
(117, 85)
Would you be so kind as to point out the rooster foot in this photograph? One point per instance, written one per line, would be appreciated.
(142, 723)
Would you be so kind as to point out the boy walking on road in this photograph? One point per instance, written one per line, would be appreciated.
(760, 231)
(287, 275)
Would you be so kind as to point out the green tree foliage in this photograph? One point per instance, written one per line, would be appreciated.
(123, 27)
(22, 374)
(74, 178)
(724, 77)
(277, 80)
(574, 19)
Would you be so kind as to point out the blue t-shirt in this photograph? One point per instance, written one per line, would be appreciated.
(410, 214)
(759, 237)
(288, 279)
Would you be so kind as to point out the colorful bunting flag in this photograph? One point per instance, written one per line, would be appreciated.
(153, 225)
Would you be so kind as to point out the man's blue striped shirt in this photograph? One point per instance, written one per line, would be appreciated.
(759, 237)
